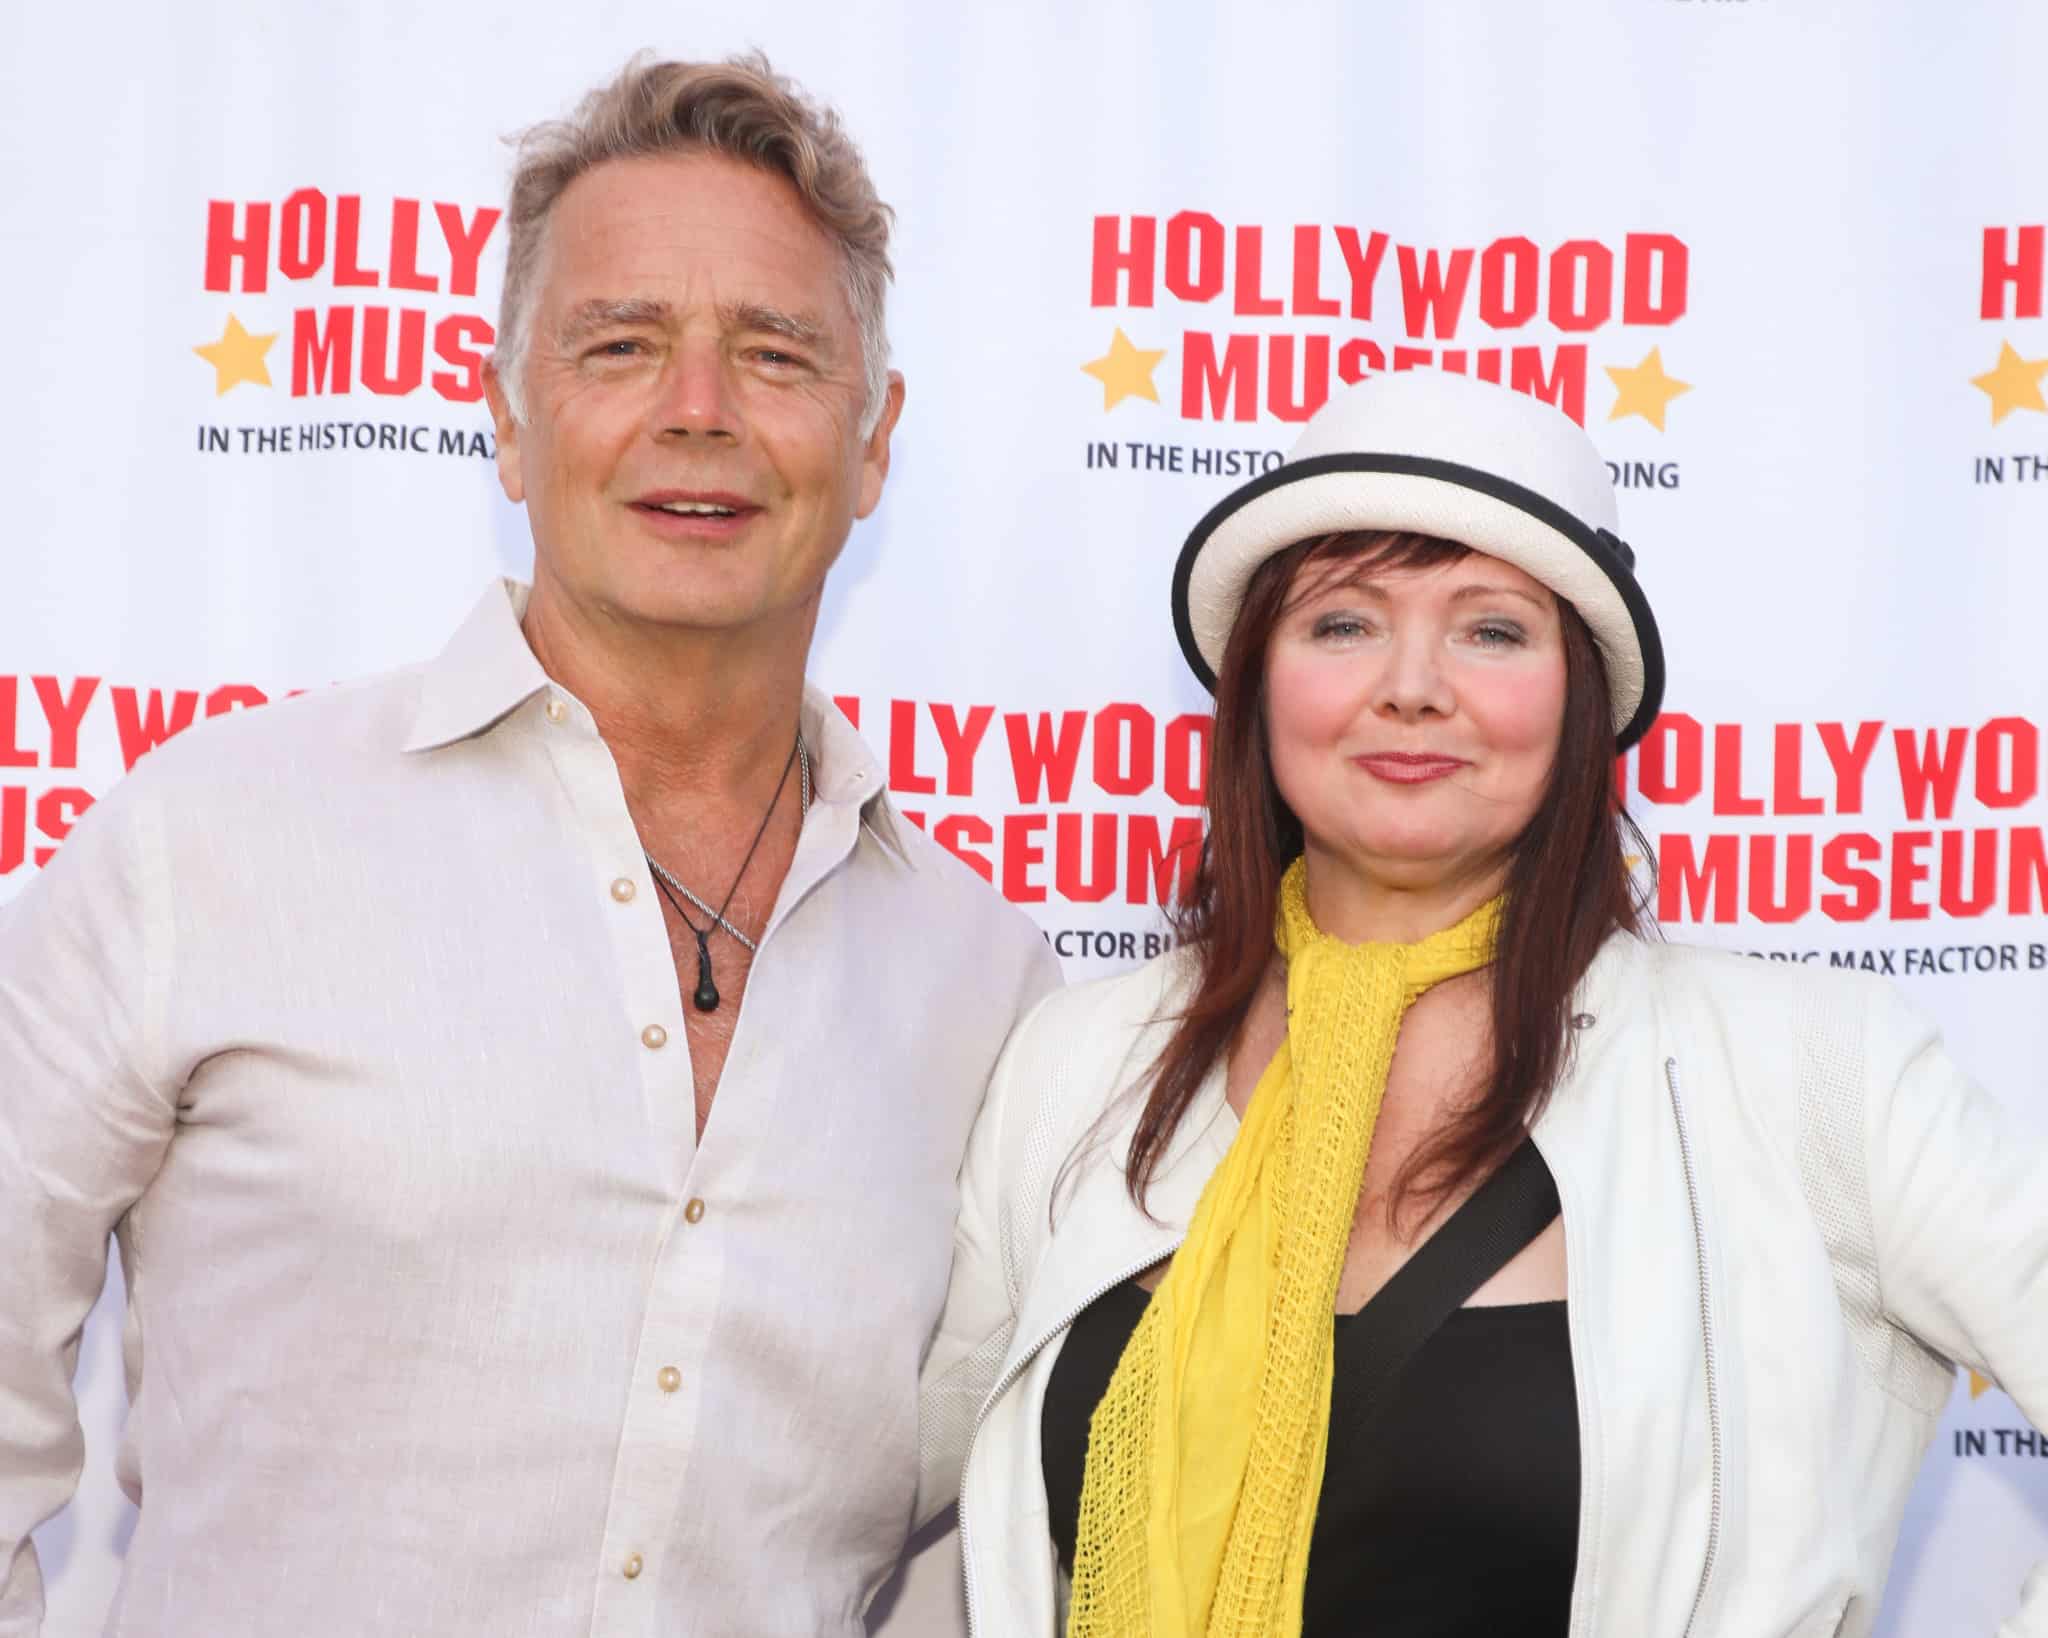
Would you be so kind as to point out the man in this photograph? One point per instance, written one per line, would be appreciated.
(529, 1089)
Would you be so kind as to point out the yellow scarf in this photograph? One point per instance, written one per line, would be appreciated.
(1205, 1456)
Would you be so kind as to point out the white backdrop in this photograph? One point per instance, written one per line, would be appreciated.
(1784, 258)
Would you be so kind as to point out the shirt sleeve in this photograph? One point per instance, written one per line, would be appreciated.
(83, 957)
(1961, 1219)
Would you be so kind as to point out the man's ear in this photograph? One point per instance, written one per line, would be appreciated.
(874, 458)
(511, 477)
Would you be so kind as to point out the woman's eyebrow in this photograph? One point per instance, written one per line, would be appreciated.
(1466, 593)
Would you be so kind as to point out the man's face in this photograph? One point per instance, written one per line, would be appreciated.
(691, 455)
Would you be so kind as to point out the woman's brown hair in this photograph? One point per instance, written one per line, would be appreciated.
(1567, 887)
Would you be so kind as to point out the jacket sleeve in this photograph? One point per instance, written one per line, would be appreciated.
(1961, 1220)
(981, 1296)
(83, 953)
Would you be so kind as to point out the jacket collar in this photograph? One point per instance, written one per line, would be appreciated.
(1620, 963)
(487, 671)
(1610, 1005)
(1102, 1238)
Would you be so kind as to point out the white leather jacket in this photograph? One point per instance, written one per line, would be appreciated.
(1785, 1212)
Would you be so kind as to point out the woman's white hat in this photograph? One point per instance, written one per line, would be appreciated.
(1446, 455)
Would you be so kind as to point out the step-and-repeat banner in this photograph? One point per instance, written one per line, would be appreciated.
(1784, 259)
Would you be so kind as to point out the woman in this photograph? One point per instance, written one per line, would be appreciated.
(1420, 1249)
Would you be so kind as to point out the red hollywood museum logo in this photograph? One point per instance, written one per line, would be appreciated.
(2014, 281)
(1968, 840)
(1303, 309)
(367, 264)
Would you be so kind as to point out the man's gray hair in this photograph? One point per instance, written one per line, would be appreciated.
(740, 108)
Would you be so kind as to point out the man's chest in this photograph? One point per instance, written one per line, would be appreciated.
(423, 1053)
(720, 967)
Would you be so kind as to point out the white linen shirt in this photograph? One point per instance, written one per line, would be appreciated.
(356, 1017)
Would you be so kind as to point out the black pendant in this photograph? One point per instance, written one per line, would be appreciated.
(706, 998)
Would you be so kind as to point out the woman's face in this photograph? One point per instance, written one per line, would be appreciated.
(1413, 716)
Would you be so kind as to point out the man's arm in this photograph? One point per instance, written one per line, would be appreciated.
(1960, 1208)
(84, 955)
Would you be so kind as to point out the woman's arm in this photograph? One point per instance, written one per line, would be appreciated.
(980, 1314)
(1959, 1197)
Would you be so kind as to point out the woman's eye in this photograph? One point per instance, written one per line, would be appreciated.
(1338, 625)
(1500, 634)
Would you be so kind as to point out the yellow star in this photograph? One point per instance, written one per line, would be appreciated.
(2015, 384)
(1978, 1384)
(237, 357)
(1644, 390)
(1125, 371)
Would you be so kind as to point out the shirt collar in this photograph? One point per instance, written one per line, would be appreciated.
(487, 671)
(844, 769)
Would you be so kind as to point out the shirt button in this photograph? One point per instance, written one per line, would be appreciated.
(670, 1378)
(623, 889)
(654, 1037)
(632, 1567)
(693, 1212)
(556, 710)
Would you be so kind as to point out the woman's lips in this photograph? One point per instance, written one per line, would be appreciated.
(1406, 768)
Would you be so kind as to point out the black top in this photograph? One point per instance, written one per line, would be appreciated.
(1450, 1507)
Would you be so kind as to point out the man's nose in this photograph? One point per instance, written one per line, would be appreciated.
(696, 398)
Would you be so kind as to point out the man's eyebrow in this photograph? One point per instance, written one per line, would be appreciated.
(603, 313)
(635, 312)
(749, 315)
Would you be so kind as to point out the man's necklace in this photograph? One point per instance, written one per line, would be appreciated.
(705, 997)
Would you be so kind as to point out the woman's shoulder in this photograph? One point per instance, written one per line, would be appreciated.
(1816, 1013)
(1789, 984)
(1101, 1019)
(1082, 1047)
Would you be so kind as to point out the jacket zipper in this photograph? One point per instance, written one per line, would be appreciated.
(1003, 1386)
(1699, 1240)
